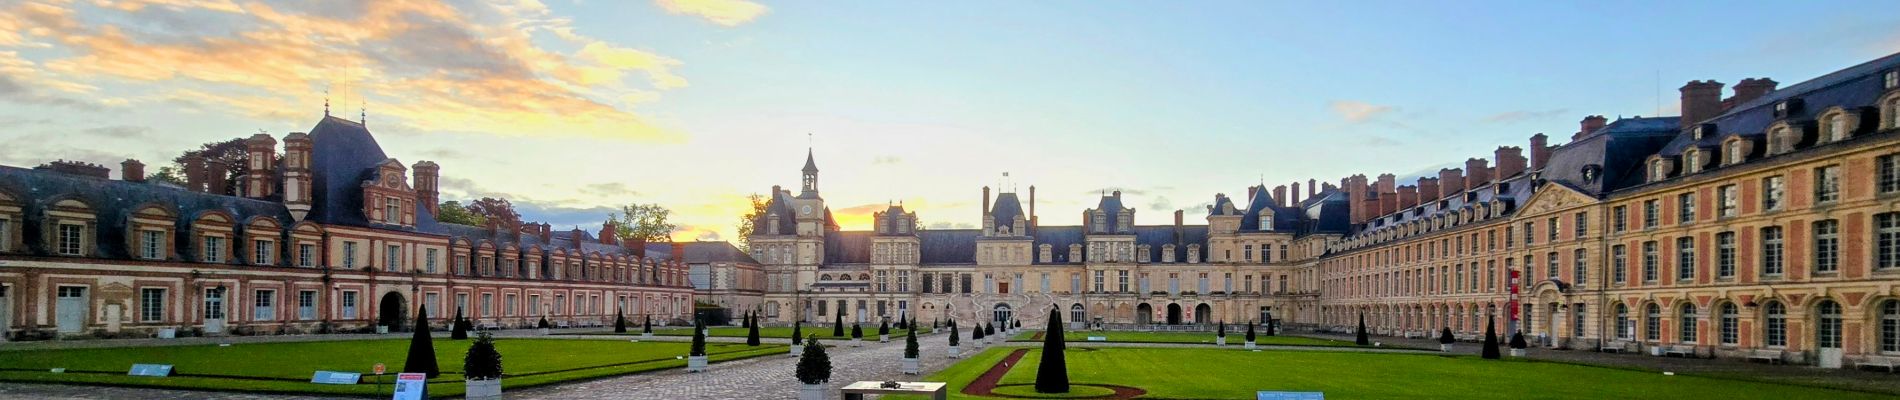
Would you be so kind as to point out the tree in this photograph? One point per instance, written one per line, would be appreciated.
(226, 160)
(976, 332)
(856, 332)
(989, 328)
(1052, 375)
(1361, 338)
(1490, 338)
(455, 213)
(1222, 330)
(752, 334)
(167, 174)
(620, 321)
(643, 221)
(645, 327)
(837, 329)
(421, 348)
(910, 344)
(798, 331)
(814, 367)
(544, 323)
(482, 361)
(699, 338)
(1444, 336)
(1517, 341)
(1250, 331)
(884, 328)
(954, 333)
(500, 211)
(456, 330)
(745, 221)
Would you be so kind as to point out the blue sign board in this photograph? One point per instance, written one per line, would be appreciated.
(1098, 338)
(158, 370)
(1266, 395)
(336, 378)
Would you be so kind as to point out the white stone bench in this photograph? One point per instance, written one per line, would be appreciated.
(1680, 350)
(1880, 361)
(1614, 346)
(1766, 355)
(562, 324)
(488, 326)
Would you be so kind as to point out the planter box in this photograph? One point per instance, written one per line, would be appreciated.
(483, 389)
(811, 392)
(910, 366)
(382, 329)
(643, 335)
(954, 352)
(544, 331)
(695, 363)
(1249, 345)
(168, 333)
(1220, 340)
(1517, 352)
(1444, 347)
(798, 350)
(855, 342)
(883, 338)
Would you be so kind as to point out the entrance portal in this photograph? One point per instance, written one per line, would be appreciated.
(1174, 314)
(391, 311)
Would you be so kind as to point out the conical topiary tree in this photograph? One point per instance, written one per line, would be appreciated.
(752, 334)
(482, 362)
(798, 331)
(856, 331)
(1445, 337)
(699, 338)
(544, 323)
(1271, 326)
(910, 344)
(837, 328)
(1517, 341)
(1052, 375)
(646, 325)
(421, 348)
(976, 332)
(953, 333)
(458, 331)
(745, 320)
(1361, 337)
(620, 322)
(1221, 331)
(883, 329)
(1490, 338)
(1250, 331)
(814, 367)
(989, 328)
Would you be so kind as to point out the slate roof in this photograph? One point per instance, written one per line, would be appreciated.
(781, 205)
(1005, 210)
(343, 155)
(948, 246)
(1284, 220)
(714, 252)
(1058, 238)
(113, 202)
(1617, 151)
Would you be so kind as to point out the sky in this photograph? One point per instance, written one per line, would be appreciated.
(572, 108)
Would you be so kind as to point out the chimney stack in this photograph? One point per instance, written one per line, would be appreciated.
(195, 173)
(1279, 196)
(1408, 197)
(1700, 100)
(1540, 151)
(1178, 218)
(1252, 192)
(1388, 194)
(1312, 188)
(1510, 162)
(1032, 204)
(1356, 198)
(679, 252)
(986, 203)
(427, 174)
(1477, 173)
(1452, 180)
(216, 173)
(1295, 200)
(1428, 190)
(1590, 125)
(1118, 194)
(609, 233)
(1750, 89)
(132, 171)
(261, 152)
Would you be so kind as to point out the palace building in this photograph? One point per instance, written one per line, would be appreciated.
(1763, 225)
(333, 235)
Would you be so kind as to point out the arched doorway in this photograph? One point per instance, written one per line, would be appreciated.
(1202, 314)
(1827, 334)
(392, 311)
(1144, 314)
(1174, 314)
(1078, 316)
(1001, 314)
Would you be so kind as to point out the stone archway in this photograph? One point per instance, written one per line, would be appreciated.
(1174, 314)
(392, 311)
(1144, 314)
(1203, 314)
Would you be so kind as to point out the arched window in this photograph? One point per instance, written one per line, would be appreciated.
(1836, 127)
(1827, 327)
(1652, 322)
(1890, 326)
(1686, 321)
(1077, 314)
(1774, 324)
(824, 277)
(1731, 324)
(1623, 330)
(1893, 112)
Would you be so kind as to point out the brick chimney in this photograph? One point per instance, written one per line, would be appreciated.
(1590, 124)
(1510, 162)
(132, 171)
(215, 172)
(195, 173)
(1356, 198)
(1295, 200)
(1428, 190)
(986, 204)
(679, 252)
(1312, 188)
(1540, 151)
(1388, 194)
(1452, 181)
(639, 248)
(1279, 195)
(546, 233)
(1477, 173)
(1179, 218)
(1252, 192)
(1700, 100)
(1751, 89)
(260, 151)
(427, 174)
(609, 233)
(79, 168)
(1408, 197)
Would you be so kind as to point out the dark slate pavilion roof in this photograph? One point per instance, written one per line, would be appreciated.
(948, 246)
(1284, 220)
(781, 205)
(1617, 151)
(343, 155)
(113, 202)
(713, 252)
(1852, 88)
(1007, 207)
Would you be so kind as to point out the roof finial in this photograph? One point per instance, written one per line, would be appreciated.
(326, 102)
(362, 109)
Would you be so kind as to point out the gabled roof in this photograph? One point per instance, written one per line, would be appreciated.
(1006, 209)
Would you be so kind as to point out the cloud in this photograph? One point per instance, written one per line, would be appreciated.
(119, 131)
(722, 12)
(610, 189)
(1357, 111)
(1111, 190)
(1525, 115)
(511, 69)
(950, 225)
(886, 160)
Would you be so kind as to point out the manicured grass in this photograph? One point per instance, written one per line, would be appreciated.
(1081, 338)
(287, 367)
(1235, 374)
(824, 333)
(1075, 392)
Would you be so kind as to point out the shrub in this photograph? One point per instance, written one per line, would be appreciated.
(457, 331)
(699, 338)
(856, 332)
(544, 323)
(953, 332)
(482, 362)
(837, 328)
(1444, 336)
(989, 328)
(1490, 339)
(1222, 330)
(646, 326)
(1517, 341)
(620, 322)
(884, 328)
(1361, 338)
(1250, 331)
(798, 331)
(1271, 326)
(421, 348)
(1052, 375)
(976, 332)
(752, 334)
(814, 367)
(910, 344)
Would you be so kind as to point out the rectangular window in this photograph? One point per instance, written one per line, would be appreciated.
(1771, 263)
(1099, 281)
(1887, 173)
(1649, 261)
(306, 255)
(152, 305)
(349, 304)
(1509, 238)
(488, 305)
(428, 260)
(1582, 224)
(1685, 259)
(1652, 213)
(307, 305)
(1772, 193)
(392, 258)
(266, 306)
(6, 238)
(1725, 200)
(1552, 228)
(1122, 275)
(1247, 253)
(1827, 184)
(71, 239)
(349, 255)
(1619, 218)
(261, 251)
(1579, 267)
(1619, 263)
(214, 249)
(152, 244)
(1530, 233)
(1550, 266)
(508, 304)
(1685, 208)
(1887, 241)
(1827, 246)
(1725, 255)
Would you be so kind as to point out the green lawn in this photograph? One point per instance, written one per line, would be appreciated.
(1188, 337)
(824, 332)
(287, 367)
(1234, 374)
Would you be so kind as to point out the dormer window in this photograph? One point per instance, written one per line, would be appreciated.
(1893, 79)
(1692, 161)
(1266, 222)
(1075, 253)
(1835, 127)
(1699, 132)
(1045, 251)
(1735, 154)
(1101, 221)
(1781, 109)
(1779, 140)
(1657, 172)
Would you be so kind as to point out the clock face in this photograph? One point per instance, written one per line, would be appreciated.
(805, 211)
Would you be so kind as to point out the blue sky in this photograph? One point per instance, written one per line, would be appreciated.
(571, 107)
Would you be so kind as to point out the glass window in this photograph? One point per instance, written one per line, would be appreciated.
(1827, 328)
(307, 305)
(1887, 169)
(349, 304)
(1623, 328)
(152, 244)
(1652, 323)
(6, 235)
(1652, 213)
(349, 255)
(1686, 332)
(1582, 224)
(266, 306)
(1827, 184)
(1771, 242)
(1685, 259)
(1685, 208)
(1649, 261)
(1619, 218)
(214, 249)
(1827, 246)
(1887, 240)
(1619, 263)
(1775, 324)
(71, 239)
(261, 251)
(1730, 324)
(306, 255)
(1579, 267)
(1890, 326)
(1772, 193)
(1725, 255)
(1725, 199)
(152, 305)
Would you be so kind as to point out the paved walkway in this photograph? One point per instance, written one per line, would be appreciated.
(768, 377)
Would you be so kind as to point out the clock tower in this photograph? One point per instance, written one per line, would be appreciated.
(809, 208)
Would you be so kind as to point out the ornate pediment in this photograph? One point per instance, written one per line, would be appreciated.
(1556, 197)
